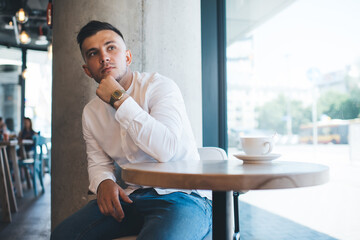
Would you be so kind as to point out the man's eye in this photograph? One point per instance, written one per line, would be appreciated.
(111, 48)
(91, 54)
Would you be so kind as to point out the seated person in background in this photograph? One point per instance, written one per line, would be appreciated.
(27, 133)
(3, 129)
(10, 126)
(2, 126)
(136, 117)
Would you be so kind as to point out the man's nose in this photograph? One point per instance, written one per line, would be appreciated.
(104, 58)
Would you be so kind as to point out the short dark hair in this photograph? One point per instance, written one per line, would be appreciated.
(92, 27)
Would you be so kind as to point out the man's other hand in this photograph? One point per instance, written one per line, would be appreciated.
(108, 199)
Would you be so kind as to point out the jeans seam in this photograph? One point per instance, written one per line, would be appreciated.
(208, 202)
(207, 208)
(207, 233)
(204, 201)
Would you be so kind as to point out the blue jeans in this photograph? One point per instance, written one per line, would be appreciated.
(152, 216)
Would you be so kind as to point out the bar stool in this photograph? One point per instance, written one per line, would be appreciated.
(7, 196)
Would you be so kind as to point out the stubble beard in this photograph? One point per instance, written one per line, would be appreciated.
(121, 78)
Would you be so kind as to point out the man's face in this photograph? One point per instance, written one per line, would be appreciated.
(105, 53)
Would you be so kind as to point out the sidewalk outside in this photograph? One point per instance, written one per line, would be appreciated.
(332, 208)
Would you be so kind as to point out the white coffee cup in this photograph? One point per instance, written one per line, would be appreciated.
(257, 145)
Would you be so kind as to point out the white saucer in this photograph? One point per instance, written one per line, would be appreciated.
(257, 158)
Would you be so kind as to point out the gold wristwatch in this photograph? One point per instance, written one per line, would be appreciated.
(116, 96)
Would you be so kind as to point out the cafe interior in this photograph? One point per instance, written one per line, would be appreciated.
(286, 72)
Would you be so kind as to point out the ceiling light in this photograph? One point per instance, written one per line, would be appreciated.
(24, 37)
(22, 16)
(49, 14)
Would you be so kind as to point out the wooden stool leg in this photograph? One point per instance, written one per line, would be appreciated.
(14, 159)
(10, 187)
(4, 198)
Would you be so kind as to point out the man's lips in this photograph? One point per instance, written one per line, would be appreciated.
(106, 69)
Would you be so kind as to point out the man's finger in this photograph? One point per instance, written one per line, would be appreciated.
(106, 209)
(101, 208)
(119, 213)
(105, 205)
(109, 207)
(124, 197)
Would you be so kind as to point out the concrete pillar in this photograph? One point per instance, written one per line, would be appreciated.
(164, 36)
(172, 47)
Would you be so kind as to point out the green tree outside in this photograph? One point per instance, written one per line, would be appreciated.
(274, 115)
(340, 105)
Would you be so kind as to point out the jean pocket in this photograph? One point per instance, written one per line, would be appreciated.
(204, 202)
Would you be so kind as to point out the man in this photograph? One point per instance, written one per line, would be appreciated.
(136, 117)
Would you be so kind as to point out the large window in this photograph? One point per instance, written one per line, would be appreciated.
(293, 68)
(38, 85)
(38, 91)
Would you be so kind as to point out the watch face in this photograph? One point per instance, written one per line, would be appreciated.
(117, 94)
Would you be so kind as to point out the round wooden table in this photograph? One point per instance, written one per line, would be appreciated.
(222, 177)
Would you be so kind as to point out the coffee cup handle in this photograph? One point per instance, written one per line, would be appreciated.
(270, 147)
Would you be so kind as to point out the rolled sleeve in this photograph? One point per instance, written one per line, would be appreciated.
(127, 112)
(95, 181)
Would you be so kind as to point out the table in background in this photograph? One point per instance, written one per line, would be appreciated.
(12, 144)
(222, 177)
(14, 160)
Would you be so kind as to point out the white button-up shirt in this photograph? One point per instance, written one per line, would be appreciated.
(149, 126)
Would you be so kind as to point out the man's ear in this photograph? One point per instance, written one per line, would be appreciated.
(128, 57)
(86, 70)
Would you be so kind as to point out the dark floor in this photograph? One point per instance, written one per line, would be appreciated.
(258, 224)
(32, 222)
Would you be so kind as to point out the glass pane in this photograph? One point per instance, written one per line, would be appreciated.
(10, 90)
(293, 73)
(38, 91)
(38, 88)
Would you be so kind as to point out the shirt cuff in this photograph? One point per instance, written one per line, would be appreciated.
(127, 112)
(94, 184)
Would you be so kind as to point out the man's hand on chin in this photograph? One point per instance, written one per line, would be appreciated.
(108, 194)
(106, 87)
